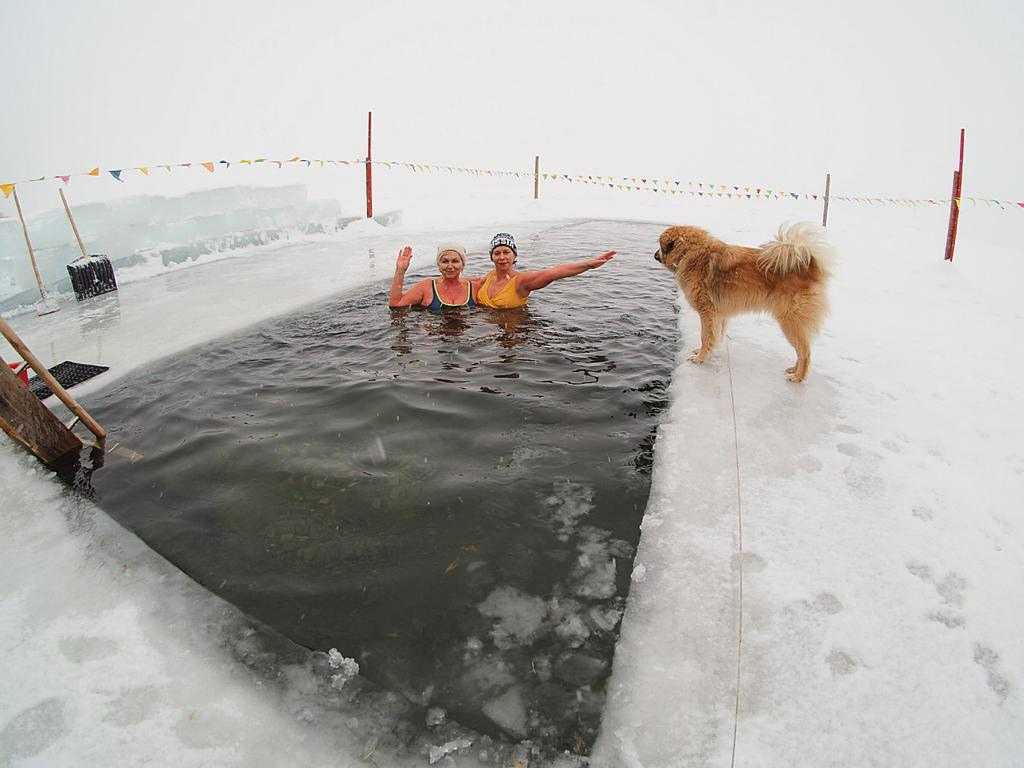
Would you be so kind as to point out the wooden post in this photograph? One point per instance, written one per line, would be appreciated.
(536, 177)
(369, 167)
(828, 186)
(31, 423)
(954, 202)
(74, 228)
(62, 394)
(44, 306)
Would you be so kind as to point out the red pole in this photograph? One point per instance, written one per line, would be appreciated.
(369, 167)
(954, 203)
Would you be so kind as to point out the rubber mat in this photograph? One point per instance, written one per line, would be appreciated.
(67, 375)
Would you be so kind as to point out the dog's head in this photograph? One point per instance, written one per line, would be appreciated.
(676, 243)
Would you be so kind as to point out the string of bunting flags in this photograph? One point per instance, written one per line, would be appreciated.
(701, 189)
(711, 190)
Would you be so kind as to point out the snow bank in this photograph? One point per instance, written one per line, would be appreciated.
(870, 517)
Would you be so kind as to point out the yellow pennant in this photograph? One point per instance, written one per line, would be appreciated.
(143, 170)
(6, 189)
(94, 172)
(245, 162)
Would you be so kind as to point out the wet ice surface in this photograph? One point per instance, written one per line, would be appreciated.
(453, 500)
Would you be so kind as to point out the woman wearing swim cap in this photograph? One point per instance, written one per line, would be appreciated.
(451, 290)
(505, 288)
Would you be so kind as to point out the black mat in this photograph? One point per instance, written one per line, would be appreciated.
(67, 375)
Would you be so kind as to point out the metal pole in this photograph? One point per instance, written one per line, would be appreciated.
(824, 213)
(74, 228)
(954, 202)
(28, 244)
(536, 177)
(369, 167)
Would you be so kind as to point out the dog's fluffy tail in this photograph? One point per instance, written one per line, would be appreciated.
(794, 248)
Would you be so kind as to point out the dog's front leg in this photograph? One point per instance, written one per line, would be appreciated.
(709, 325)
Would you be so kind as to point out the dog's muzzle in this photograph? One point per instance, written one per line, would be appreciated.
(657, 255)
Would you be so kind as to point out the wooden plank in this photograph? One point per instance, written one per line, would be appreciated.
(31, 423)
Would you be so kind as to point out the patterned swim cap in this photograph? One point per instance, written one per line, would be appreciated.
(503, 238)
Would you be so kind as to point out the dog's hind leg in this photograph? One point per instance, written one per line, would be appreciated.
(795, 329)
(709, 329)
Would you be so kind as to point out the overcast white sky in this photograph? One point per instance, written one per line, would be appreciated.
(770, 93)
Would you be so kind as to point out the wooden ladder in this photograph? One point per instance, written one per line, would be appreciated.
(30, 423)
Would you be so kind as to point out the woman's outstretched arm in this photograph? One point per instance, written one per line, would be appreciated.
(414, 295)
(537, 279)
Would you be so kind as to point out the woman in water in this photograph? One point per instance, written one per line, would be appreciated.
(505, 288)
(451, 290)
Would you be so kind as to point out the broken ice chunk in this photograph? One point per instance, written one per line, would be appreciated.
(436, 753)
(508, 712)
(436, 716)
(347, 668)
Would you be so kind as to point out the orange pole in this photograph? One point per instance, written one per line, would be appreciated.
(369, 167)
(954, 203)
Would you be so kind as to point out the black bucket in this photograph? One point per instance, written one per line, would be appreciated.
(92, 276)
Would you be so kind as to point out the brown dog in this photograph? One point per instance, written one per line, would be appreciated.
(785, 278)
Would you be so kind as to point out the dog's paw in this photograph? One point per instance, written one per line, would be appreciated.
(793, 376)
(791, 369)
(697, 357)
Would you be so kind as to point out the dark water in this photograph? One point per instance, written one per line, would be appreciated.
(453, 500)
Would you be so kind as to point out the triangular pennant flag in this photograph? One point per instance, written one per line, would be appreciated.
(245, 162)
(6, 189)
(225, 163)
(308, 163)
(65, 179)
(1021, 204)
(279, 163)
(143, 170)
(185, 165)
(94, 172)
(260, 160)
(294, 159)
(208, 166)
(116, 174)
(167, 167)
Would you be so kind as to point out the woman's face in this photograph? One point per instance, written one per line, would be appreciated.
(503, 257)
(450, 264)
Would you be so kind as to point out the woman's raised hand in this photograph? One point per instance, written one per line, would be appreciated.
(601, 260)
(404, 258)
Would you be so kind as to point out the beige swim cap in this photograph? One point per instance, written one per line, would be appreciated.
(444, 247)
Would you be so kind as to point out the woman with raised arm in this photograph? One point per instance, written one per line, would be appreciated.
(505, 288)
(450, 290)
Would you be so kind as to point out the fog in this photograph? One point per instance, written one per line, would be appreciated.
(737, 93)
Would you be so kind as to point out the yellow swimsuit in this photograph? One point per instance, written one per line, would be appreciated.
(506, 298)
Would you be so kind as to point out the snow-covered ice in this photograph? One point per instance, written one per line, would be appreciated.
(828, 574)
(847, 554)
